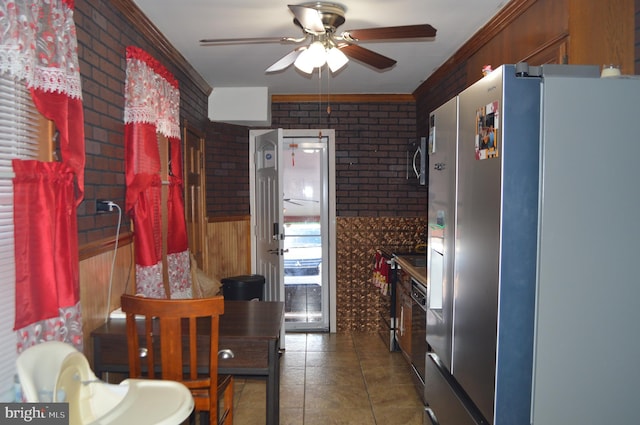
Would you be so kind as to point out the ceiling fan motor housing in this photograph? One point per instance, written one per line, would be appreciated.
(331, 14)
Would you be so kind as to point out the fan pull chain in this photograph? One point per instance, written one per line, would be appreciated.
(319, 96)
(328, 99)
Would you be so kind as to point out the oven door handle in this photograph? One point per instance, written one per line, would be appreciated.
(419, 294)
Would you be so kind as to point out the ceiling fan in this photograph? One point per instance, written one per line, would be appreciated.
(322, 44)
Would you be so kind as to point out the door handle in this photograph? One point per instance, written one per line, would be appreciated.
(277, 251)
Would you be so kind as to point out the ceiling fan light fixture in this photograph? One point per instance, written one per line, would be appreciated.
(313, 57)
(336, 59)
(303, 62)
(317, 54)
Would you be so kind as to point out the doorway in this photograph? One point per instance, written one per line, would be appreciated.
(304, 161)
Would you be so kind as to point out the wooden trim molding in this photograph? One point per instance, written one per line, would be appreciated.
(561, 38)
(343, 98)
(132, 12)
(222, 219)
(498, 23)
(101, 246)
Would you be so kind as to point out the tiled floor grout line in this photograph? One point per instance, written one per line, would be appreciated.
(364, 379)
(313, 355)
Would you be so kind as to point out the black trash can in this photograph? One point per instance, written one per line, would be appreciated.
(243, 288)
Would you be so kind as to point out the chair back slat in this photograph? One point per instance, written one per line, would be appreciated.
(149, 359)
(171, 353)
(170, 337)
(193, 348)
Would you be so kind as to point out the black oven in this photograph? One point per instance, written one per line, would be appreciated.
(418, 329)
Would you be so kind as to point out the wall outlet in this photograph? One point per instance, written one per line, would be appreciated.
(103, 206)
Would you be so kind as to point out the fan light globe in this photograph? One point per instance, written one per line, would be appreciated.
(304, 62)
(316, 55)
(336, 59)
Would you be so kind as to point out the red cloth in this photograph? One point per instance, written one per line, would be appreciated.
(68, 116)
(47, 194)
(381, 273)
(46, 240)
(142, 176)
(177, 238)
(152, 103)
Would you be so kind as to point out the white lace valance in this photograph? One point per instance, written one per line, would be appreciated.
(38, 44)
(151, 94)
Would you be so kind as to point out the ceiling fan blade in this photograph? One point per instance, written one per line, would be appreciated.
(390, 33)
(285, 61)
(308, 18)
(367, 56)
(232, 41)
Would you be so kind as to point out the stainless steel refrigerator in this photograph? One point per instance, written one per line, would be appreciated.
(534, 264)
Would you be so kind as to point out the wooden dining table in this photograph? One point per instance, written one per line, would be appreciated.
(251, 329)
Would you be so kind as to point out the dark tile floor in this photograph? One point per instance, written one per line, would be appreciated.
(335, 379)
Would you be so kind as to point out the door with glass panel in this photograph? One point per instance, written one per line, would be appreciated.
(306, 230)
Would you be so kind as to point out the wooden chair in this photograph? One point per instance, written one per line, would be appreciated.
(168, 346)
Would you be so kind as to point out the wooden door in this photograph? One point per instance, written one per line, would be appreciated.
(195, 194)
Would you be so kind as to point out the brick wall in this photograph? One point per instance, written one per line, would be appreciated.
(227, 170)
(103, 34)
(437, 94)
(371, 154)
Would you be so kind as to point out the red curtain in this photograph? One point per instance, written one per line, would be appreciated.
(152, 102)
(46, 243)
(178, 226)
(143, 191)
(68, 115)
(42, 36)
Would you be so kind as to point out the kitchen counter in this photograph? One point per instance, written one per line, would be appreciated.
(398, 296)
(414, 265)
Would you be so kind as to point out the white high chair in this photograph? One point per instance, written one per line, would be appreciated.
(133, 401)
(38, 368)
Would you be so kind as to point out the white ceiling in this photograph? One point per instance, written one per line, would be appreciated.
(185, 22)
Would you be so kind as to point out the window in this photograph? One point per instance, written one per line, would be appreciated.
(302, 250)
(23, 135)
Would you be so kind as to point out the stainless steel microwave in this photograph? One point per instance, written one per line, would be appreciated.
(417, 161)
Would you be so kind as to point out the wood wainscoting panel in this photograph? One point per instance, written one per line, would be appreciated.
(95, 275)
(228, 246)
